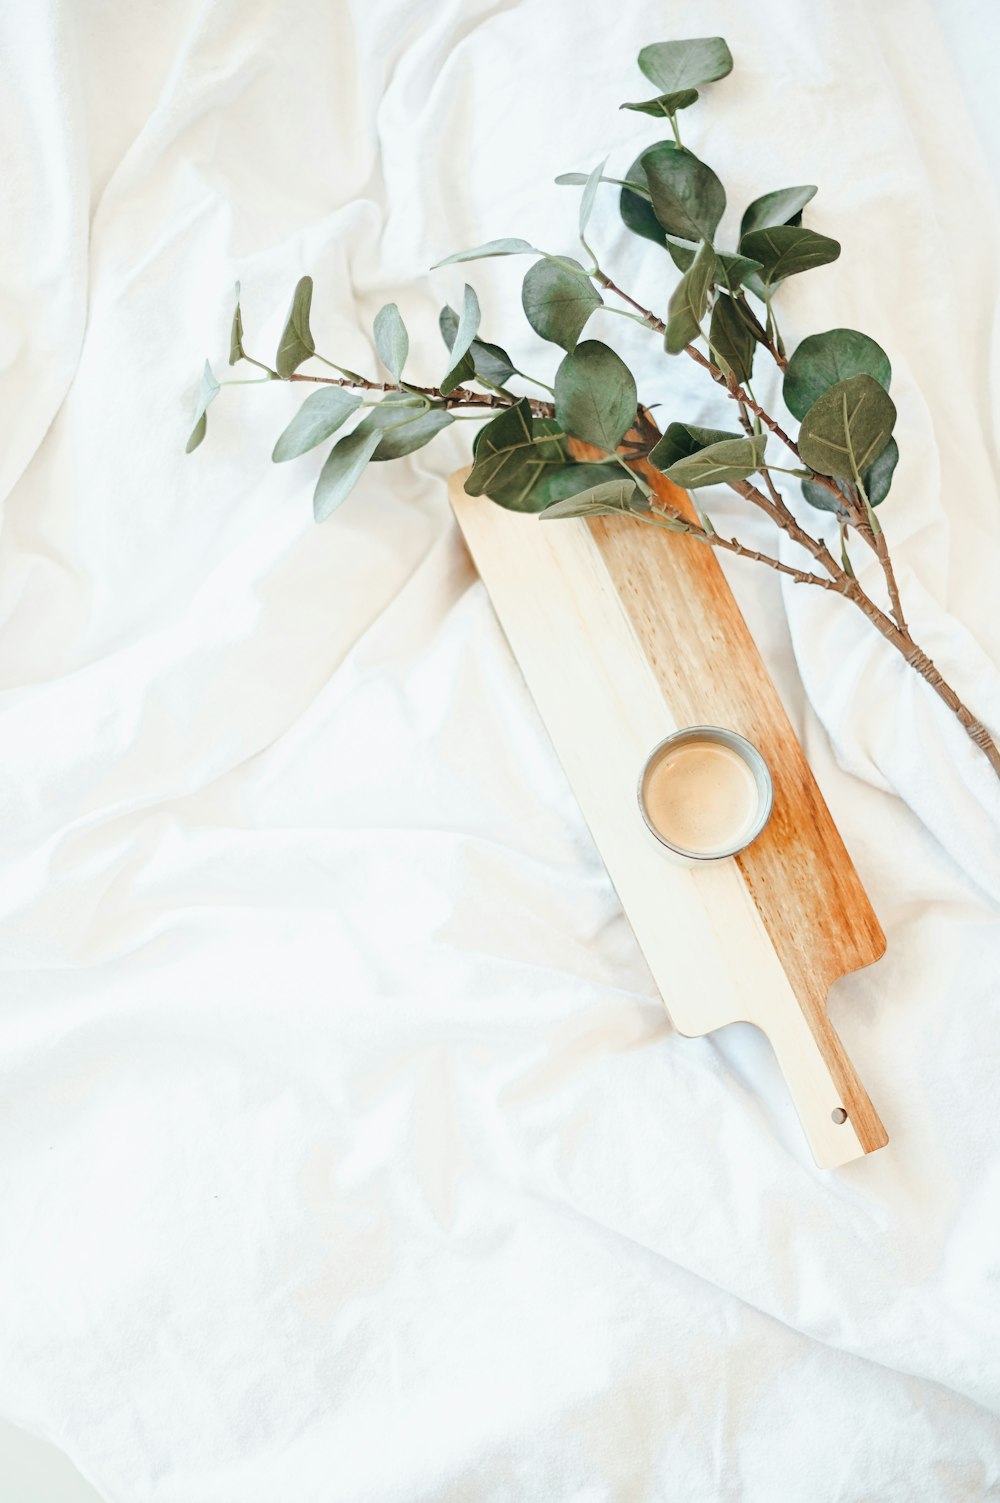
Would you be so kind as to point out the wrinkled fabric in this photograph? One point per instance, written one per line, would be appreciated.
(347, 1153)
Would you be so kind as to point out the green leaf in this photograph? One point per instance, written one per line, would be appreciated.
(822, 360)
(343, 469)
(468, 327)
(206, 396)
(571, 479)
(847, 429)
(510, 247)
(513, 454)
(733, 270)
(683, 439)
(876, 480)
(672, 66)
(689, 300)
(405, 423)
(596, 398)
(488, 361)
(391, 339)
(664, 104)
(731, 339)
(779, 207)
(320, 415)
(636, 209)
(878, 477)
(558, 302)
(589, 194)
(296, 343)
(719, 463)
(787, 249)
(236, 350)
(604, 500)
(687, 197)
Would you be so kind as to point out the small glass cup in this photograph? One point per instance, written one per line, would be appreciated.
(719, 736)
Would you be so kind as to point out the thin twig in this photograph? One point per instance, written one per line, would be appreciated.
(460, 397)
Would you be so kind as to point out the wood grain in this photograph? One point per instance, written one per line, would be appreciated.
(625, 633)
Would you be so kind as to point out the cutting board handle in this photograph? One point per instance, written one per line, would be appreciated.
(835, 1110)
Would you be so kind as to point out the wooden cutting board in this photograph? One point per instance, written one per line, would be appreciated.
(625, 633)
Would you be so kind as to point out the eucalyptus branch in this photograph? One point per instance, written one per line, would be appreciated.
(836, 384)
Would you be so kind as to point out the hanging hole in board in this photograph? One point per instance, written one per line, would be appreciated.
(839, 1115)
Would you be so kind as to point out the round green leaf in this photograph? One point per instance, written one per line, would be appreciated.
(786, 250)
(847, 429)
(672, 66)
(781, 206)
(821, 360)
(636, 209)
(513, 454)
(688, 199)
(558, 302)
(876, 480)
(596, 398)
(320, 415)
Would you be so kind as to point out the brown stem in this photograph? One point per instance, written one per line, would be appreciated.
(714, 539)
(460, 397)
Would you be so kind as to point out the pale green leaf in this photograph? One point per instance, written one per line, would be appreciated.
(510, 247)
(589, 194)
(405, 424)
(488, 361)
(207, 394)
(391, 339)
(296, 344)
(236, 350)
(319, 417)
(468, 327)
(343, 469)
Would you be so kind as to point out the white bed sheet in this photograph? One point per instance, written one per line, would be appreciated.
(347, 1155)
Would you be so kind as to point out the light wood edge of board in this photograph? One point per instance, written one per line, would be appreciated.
(820, 1076)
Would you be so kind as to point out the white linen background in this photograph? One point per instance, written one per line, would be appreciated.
(347, 1154)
